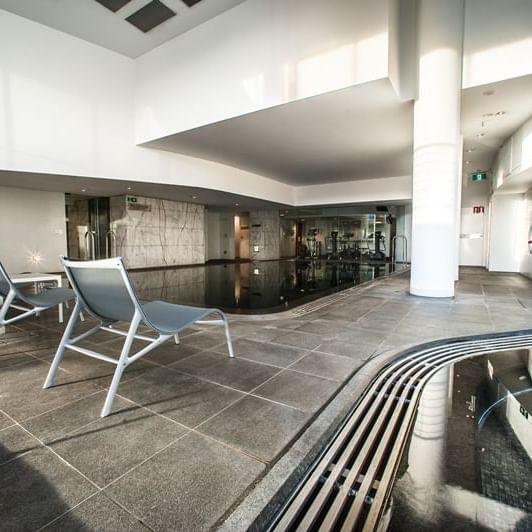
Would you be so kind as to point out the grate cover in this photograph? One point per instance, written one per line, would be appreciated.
(150, 16)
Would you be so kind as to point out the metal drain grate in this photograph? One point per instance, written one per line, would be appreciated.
(348, 487)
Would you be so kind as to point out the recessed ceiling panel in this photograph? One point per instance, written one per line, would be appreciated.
(150, 16)
(113, 5)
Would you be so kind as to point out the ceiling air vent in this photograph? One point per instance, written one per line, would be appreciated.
(190, 3)
(113, 5)
(150, 16)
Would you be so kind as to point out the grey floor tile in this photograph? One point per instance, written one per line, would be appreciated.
(97, 372)
(98, 514)
(236, 373)
(188, 486)
(257, 426)
(169, 353)
(355, 350)
(13, 359)
(24, 397)
(267, 353)
(5, 421)
(299, 339)
(305, 392)
(204, 340)
(107, 448)
(36, 488)
(15, 441)
(183, 398)
(327, 365)
(58, 423)
(325, 328)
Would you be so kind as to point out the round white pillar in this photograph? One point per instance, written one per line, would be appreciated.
(436, 148)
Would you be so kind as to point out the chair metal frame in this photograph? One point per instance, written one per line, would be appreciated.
(15, 294)
(139, 317)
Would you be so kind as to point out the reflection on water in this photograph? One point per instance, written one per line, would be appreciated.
(468, 465)
(254, 286)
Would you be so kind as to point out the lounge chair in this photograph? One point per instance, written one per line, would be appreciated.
(104, 290)
(12, 297)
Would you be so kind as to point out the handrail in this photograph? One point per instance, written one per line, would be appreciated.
(90, 248)
(405, 248)
(110, 244)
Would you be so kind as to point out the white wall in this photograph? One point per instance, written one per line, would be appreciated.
(526, 259)
(360, 191)
(473, 250)
(497, 41)
(257, 55)
(67, 108)
(508, 239)
(33, 224)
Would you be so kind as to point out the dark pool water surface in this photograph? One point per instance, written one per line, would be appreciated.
(468, 464)
(265, 286)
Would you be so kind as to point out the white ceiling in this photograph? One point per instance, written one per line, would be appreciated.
(514, 97)
(96, 187)
(90, 21)
(355, 133)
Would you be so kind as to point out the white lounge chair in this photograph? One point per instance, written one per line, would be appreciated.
(12, 297)
(104, 290)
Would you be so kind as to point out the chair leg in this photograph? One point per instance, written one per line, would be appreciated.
(61, 349)
(122, 364)
(228, 337)
(5, 306)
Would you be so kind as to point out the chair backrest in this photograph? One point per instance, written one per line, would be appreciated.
(5, 283)
(104, 287)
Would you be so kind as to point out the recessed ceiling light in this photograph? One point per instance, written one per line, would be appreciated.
(470, 150)
(481, 135)
(281, 214)
(489, 92)
(129, 188)
(83, 190)
(468, 162)
(194, 197)
(500, 113)
(236, 204)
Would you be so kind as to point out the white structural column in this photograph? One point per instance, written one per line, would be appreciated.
(436, 148)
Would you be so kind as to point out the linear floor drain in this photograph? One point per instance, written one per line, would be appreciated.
(348, 486)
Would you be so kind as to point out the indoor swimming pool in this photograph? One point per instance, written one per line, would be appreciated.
(255, 287)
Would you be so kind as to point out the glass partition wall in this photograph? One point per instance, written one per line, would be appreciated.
(337, 236)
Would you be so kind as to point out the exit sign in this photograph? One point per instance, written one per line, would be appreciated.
(479, 175)
(478, 209)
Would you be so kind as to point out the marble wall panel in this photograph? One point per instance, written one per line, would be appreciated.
(156, 232)
(265, 233)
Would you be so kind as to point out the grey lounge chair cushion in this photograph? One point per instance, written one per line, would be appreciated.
(169, 318)
(50, 297)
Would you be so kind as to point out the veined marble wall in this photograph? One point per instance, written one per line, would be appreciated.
(155, 232)
(264, 234)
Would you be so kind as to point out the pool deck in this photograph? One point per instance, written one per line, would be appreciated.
(198, 441)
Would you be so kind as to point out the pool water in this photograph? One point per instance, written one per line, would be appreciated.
(254, 287)
(468, 464)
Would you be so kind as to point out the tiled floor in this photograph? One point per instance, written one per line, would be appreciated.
(193, 430)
